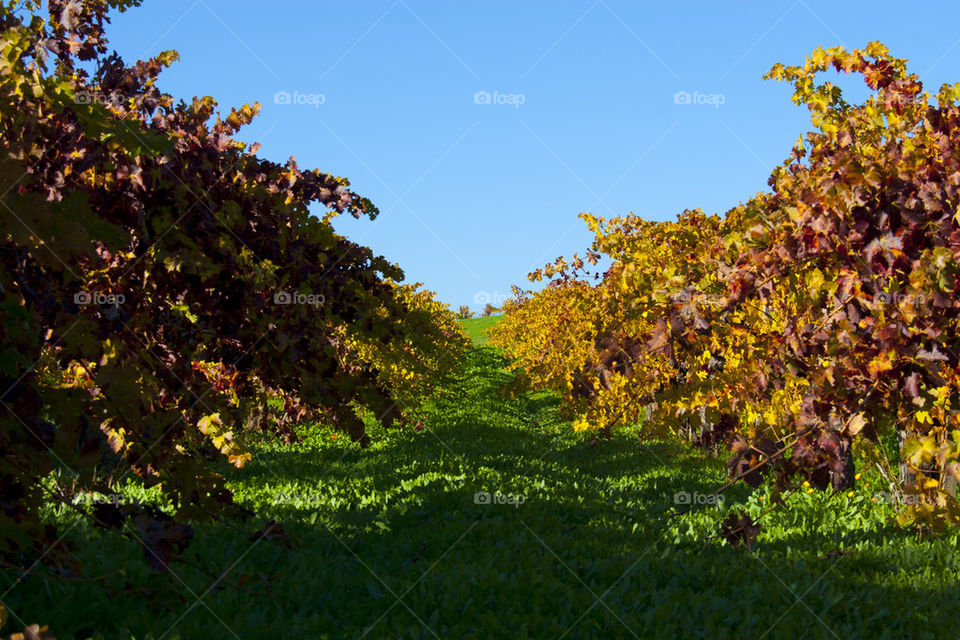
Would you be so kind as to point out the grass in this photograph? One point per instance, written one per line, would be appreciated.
(477, 328)
(393, 544)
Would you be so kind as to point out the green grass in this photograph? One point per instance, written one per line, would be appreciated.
(393, 545)
(477, 328)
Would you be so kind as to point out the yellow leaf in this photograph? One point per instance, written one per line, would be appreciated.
(883, 362)
(239, 460)
(210, 424)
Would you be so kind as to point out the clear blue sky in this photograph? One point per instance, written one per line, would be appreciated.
(581, 116)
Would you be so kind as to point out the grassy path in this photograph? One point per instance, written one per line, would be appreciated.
(477, 328)
(394, 545)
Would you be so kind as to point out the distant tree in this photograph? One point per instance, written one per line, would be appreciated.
(489, 310)
(464, 312)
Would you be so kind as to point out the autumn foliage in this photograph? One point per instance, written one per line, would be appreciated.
(813, 320)
(160, 284)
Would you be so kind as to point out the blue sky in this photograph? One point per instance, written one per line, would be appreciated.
(482, 129)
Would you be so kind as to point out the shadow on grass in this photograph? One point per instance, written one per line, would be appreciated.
(398, 541)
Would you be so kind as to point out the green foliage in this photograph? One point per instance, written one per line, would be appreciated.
(399, 519)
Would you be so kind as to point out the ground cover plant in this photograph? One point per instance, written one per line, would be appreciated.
(477, 329)
(401, 520)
